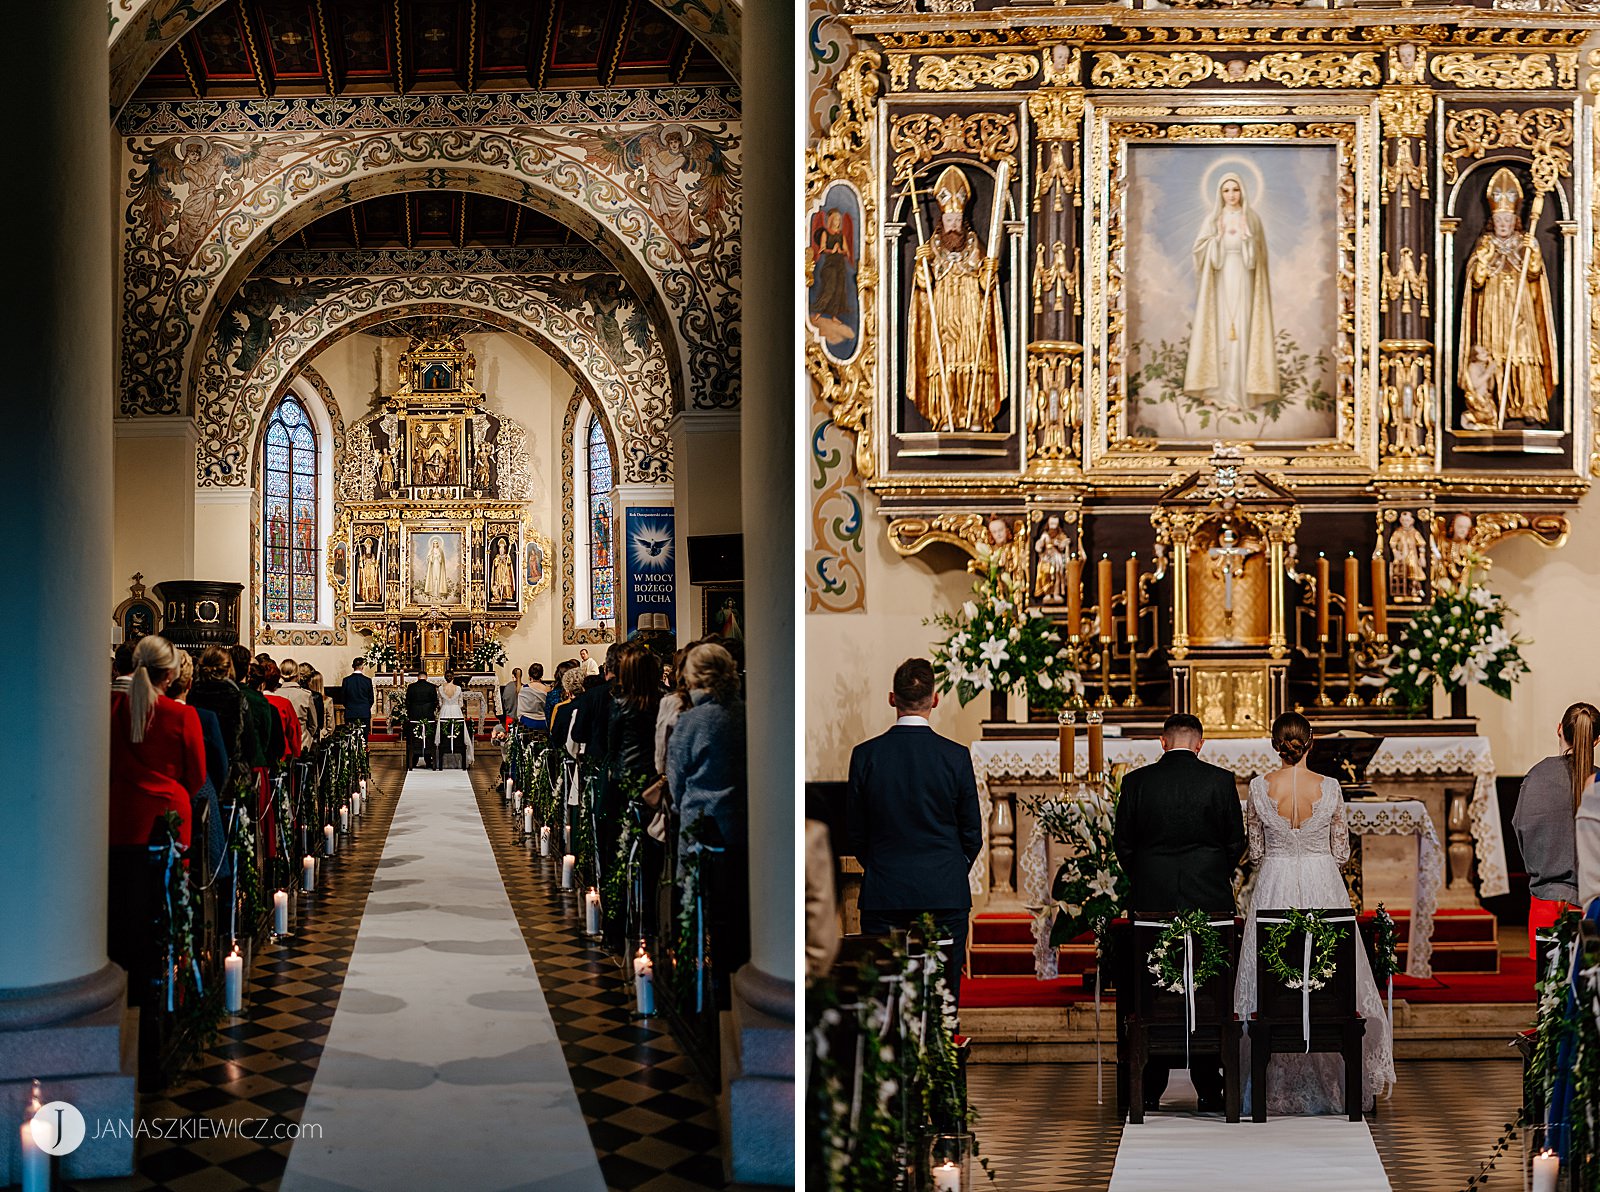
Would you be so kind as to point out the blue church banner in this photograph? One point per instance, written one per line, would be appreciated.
(652, 588)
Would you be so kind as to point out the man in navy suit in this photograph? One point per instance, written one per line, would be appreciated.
(358, 698)
(914, 821)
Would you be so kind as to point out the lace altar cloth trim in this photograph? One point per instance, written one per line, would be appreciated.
(995, 761)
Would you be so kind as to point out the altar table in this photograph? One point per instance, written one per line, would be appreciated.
(480, 690)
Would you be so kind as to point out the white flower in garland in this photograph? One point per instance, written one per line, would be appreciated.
(1104, 883)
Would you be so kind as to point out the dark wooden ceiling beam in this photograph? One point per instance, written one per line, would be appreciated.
(678, 63)
(399, 50)
(247, 15)
(541, 39)
(469, 80)
(188, 67)
(330, 78)
(611, 47)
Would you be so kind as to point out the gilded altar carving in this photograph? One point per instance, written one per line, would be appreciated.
(1054, 398)
(1056, 113)
(973, 533)
(963, 72)
(1143, 68)
(1460, 535)
(1054, 276)
(1472, 133)
(919, 138)
(1506, 72)
(1407, 402)
(1404, 285)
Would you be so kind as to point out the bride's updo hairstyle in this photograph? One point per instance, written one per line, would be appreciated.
(1291, 737)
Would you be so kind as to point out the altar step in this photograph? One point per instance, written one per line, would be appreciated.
(1001, 945)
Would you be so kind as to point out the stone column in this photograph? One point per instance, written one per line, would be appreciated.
(61, 1011)
(758, 1039)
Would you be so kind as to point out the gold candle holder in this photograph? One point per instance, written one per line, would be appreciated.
(1105, 700)
(1133, 675)
(1351, 699)
(1322, 700)
(1075, 701)
(1385, 696)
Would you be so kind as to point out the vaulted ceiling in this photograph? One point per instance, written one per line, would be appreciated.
(431, 219)
(386, 47)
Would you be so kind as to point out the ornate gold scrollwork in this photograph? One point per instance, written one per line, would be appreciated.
(1404, 112)
(1407, 403)
(1055, 392)
(1506, 72)
(1057, 113)
(1339, 69)
(1470, 133)
(1142, 68)
(968, 531)
(964, 72)
(1292, 68)
(1405, 285)
(1053, 275)
(1450, 551)
(922, 136)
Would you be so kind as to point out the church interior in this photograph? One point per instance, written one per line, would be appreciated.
(384, 411)
(1216, 360)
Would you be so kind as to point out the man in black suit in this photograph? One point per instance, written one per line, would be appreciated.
(358, 698)
(422, 703)
(1179, 836)
(914, 821)
(591, 711)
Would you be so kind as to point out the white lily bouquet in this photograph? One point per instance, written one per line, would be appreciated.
(993, 643)
(488, 653)
(1090, 887)
(1460, 639)
(383, 657)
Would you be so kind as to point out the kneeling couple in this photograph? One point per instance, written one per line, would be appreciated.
(1179, 836)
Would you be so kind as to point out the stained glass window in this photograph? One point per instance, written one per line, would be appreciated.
(602, 574)
(289, 530)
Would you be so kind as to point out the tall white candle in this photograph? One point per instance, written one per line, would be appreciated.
(569, 864)
(344, 819)
(527, 820)
(233, 981)
(507, 795)
(280, 912)
(1546, 1167)
(591, 912)
(308, 874)
(327, 839)
(947, 1178)
(517, 803)
(35, 1159)
(644, 985)
(544, 841)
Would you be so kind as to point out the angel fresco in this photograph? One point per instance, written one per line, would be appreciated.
(833, 257)
(246, 329)
(683, 175)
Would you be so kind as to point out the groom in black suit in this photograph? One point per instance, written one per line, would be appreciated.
(1179, 836)
(914, 821)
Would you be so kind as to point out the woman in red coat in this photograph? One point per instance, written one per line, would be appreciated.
(158, 752)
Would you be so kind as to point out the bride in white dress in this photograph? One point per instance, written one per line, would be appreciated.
(1294, 822)
(452, 706)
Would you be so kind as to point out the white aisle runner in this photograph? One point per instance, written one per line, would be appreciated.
(1176, 1148)
(442, 1067)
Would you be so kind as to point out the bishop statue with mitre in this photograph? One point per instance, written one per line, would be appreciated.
(1507, 315)
(955, 370)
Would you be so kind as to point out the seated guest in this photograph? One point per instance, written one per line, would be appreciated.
(158, 750)
(178, 688)
(299, 697)
(508, 696)
(358, 698)
(530, 702)
(214, 691)
(422, 704)
(292, 735)
(122, 667)
(561, 716)
(557, 691)
(1550, 799)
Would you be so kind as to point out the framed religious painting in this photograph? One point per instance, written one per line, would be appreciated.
(436, 573)
(833, 264)
(1234, 297)
(368, 567)
(536, 564)
(503, 555)
(722, 610)
(435, 451)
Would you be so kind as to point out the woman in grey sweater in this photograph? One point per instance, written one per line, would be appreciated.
(1545, 819)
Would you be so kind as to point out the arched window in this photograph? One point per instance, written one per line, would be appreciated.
(290, 533)
(597, 477)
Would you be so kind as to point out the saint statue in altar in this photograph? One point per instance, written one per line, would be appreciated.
(1507, 314)
(1233, 359)
(955, 369)
(1408, 560)
(368, 588)
(502, 575)
(436, 580)
(1228, 559)
(1053, 548)
(482, 468)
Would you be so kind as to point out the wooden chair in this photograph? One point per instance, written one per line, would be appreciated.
(1156, 1024)
(1336, 1025)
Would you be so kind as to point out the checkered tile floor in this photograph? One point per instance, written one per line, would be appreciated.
(652, 1125)
(1041, 1130)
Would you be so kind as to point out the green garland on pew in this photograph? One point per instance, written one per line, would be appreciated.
(1385, 946)
(246, 872)
(1324, 936)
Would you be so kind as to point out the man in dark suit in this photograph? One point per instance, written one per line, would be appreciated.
(422, 703)
(914, 821)
(1179, 836)
(591, 712)
(357, 700)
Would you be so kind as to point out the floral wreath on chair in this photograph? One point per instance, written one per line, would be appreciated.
(1324, 936)
(1165, 959)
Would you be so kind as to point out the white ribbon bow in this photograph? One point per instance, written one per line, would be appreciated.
(1188, 976)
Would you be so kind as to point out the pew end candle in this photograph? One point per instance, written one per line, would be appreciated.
(308, 873)
(544, 840)
(233, 981)
(37, 1174)
(280, 913)
(569, 865)
(591, 912)
(327, 840)
(644, 990)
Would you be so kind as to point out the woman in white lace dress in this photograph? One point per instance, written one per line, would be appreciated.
(1294, 821)
(452, 706)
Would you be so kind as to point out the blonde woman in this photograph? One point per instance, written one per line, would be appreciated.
(158, 750)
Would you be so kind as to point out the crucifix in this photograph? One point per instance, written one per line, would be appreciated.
(1231, 555)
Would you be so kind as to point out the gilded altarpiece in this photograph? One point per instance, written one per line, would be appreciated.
(432, 514)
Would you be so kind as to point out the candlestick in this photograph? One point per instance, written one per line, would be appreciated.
(36, 1172)
(344, 818)
(591, 912)
(233, 981)
(1074, 595)
(1380, 596)
(1322, 596)
(644, 984)
(1546, 1167)
(1132, 609)
(1322, 700)
(308, 874)
(327, 840)
(544, 841)
(1105, 700)
(1351, 699)
(1103, 591)
(527, 820)
(1352, 594)
(1067, 735)
(1097, 748)
(280, 913)
(947, 1178)
(568, 864)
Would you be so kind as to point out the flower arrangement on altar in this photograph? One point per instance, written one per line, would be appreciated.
(1460, 639)
(488, 653)
(383, 657)
(993, 643)
(1090, 886)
